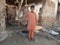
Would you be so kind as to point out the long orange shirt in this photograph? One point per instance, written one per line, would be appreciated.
(32, 20)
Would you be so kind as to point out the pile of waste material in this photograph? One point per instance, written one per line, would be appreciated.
(50, 33)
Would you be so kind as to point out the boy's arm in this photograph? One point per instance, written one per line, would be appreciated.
(24, 16)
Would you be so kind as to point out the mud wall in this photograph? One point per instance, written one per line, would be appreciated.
(49, 13)
(2, 15)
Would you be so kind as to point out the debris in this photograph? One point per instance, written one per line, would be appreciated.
(36, 31)
(53, 32)
(3, 35)
(50, 36)
(58, 29)
(48, 33)
(38, 27)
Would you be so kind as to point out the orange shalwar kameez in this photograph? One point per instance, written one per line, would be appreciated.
(32, 20)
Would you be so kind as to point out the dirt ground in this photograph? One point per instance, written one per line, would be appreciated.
(16, 39)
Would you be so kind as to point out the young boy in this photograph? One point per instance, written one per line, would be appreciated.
(32, 21)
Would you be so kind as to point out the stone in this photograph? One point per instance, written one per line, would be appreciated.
(3, 35)
(3, 32)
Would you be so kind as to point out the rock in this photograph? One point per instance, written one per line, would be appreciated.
(3, 35)
(3, 32)
(53, 32)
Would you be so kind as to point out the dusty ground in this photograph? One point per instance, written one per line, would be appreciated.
(15, 39)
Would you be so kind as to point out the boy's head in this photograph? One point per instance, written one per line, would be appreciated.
(32, 7)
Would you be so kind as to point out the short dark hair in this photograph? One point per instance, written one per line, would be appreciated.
(32, 6)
